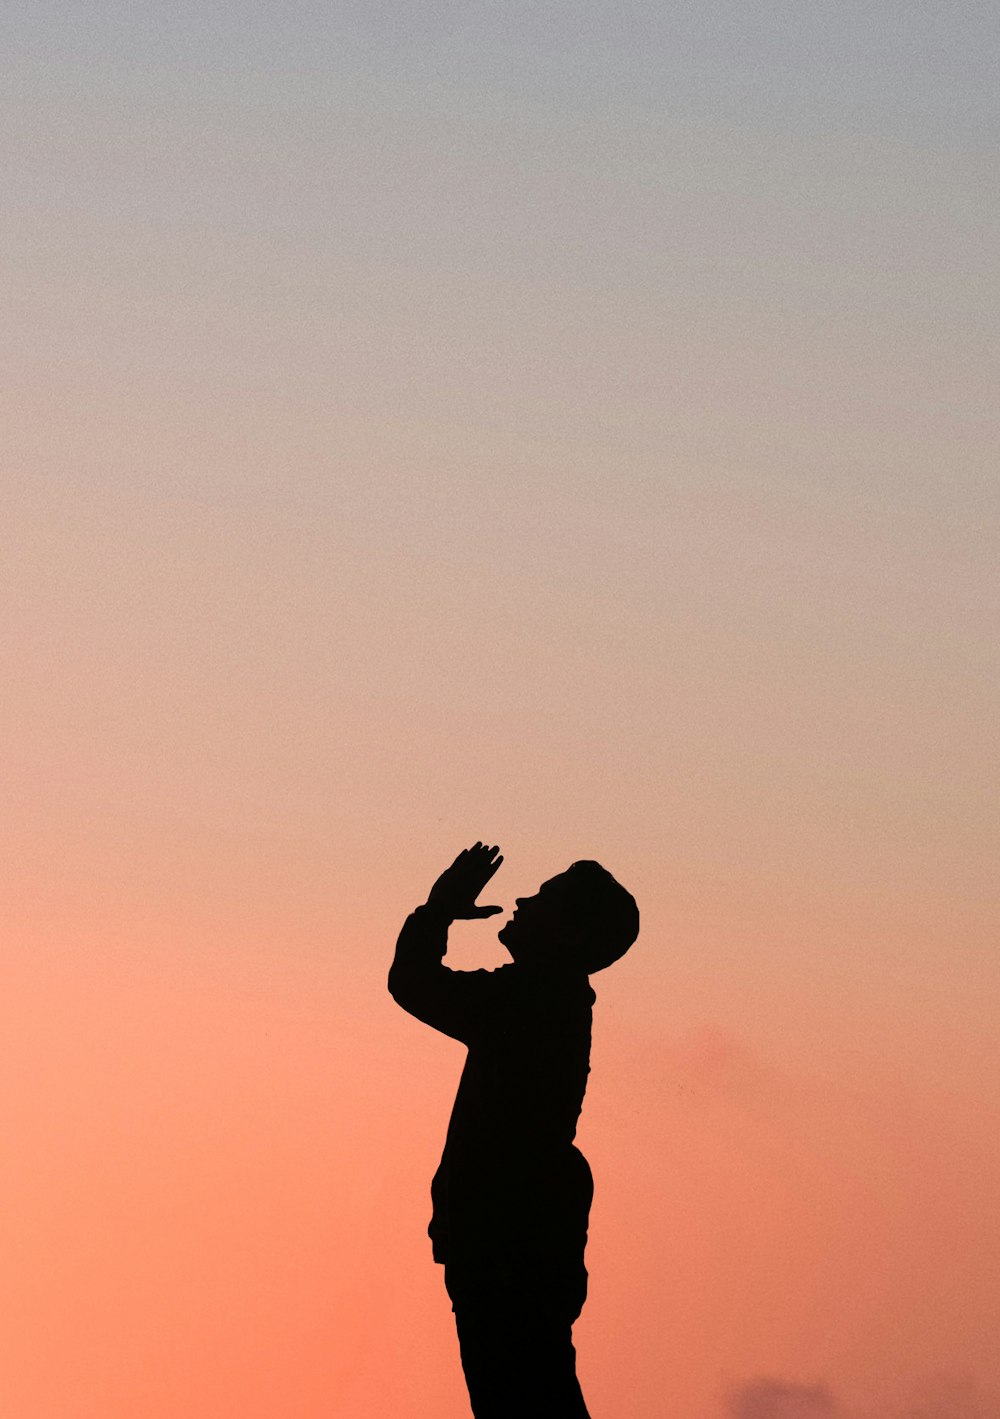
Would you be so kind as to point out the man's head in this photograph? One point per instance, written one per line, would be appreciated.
(583, 918)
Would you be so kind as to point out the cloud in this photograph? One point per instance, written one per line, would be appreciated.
(947, 1397)
(935, 1397)
(779, 1399)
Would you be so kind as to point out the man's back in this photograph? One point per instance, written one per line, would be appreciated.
(510, 1179)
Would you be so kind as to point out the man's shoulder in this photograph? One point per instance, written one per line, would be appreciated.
(493, 986)
(484, 973)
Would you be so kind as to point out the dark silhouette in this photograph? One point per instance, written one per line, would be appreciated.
(511, 1198)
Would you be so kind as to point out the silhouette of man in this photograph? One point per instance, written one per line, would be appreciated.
(511, 1197)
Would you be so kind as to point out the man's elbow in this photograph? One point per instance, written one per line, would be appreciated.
(398, 986)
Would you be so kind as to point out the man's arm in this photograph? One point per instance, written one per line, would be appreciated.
(451, 1001)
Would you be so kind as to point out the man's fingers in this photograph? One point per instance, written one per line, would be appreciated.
(488, 911)
(481, 858)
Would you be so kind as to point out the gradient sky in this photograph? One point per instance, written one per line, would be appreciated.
(571, 426)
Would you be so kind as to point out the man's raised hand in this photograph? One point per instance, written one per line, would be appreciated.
(456, 890)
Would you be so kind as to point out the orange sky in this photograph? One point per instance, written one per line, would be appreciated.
(573, 432)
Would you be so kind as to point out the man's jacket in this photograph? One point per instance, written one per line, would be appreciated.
(510, 1183)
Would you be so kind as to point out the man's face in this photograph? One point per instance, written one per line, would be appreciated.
(537, 922)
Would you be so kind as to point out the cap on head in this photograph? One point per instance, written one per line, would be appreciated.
(602, 916)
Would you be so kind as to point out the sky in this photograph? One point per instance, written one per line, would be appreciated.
(565, 426)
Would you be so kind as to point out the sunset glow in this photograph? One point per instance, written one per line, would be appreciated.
(567, 427)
